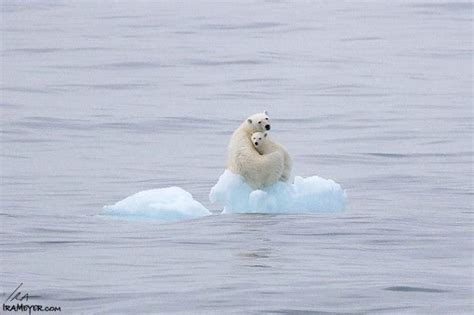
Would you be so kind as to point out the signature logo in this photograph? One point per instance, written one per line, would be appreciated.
(21, 299)
(17, 296)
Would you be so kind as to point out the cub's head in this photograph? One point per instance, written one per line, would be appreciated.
(258, 138)
(259, 122)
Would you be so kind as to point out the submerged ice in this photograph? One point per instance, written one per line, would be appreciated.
(306, 195)
(164, 204)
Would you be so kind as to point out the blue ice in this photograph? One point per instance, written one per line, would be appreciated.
(164, 204)
(306, 195)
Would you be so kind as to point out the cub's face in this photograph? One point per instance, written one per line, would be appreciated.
(258, 138)
(259, 122)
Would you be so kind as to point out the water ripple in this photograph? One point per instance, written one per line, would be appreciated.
(414, 289)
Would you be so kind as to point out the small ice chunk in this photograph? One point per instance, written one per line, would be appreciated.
(306, 195)
(165, 204)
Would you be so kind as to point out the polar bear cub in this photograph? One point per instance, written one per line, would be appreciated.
(264, 145)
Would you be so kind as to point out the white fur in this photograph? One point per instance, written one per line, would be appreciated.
(264, 145)
(258, 170)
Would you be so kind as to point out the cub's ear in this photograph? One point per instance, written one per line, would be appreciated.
(266, 113)
(265, 134)
(249, 121)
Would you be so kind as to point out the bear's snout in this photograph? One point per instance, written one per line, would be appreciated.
(267, 127)
(256, 143)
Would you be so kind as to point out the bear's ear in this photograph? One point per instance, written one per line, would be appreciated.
(249, 121)
(266, 113)
(265, 134)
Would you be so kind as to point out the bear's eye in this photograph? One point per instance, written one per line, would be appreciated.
(259, 138)
(266, 118)
(260, 122)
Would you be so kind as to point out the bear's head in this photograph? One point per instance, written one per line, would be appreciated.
(259, 122)
(258, 138)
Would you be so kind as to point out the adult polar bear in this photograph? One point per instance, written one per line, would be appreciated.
(258, 170)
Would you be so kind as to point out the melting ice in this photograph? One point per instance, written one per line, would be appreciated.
(306, 195)
(164, 204)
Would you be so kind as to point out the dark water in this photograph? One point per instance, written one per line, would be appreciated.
(104, 99)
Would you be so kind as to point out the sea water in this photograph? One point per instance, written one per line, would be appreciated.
(102, 100)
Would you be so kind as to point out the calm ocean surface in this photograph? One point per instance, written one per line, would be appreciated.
(100, 100)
